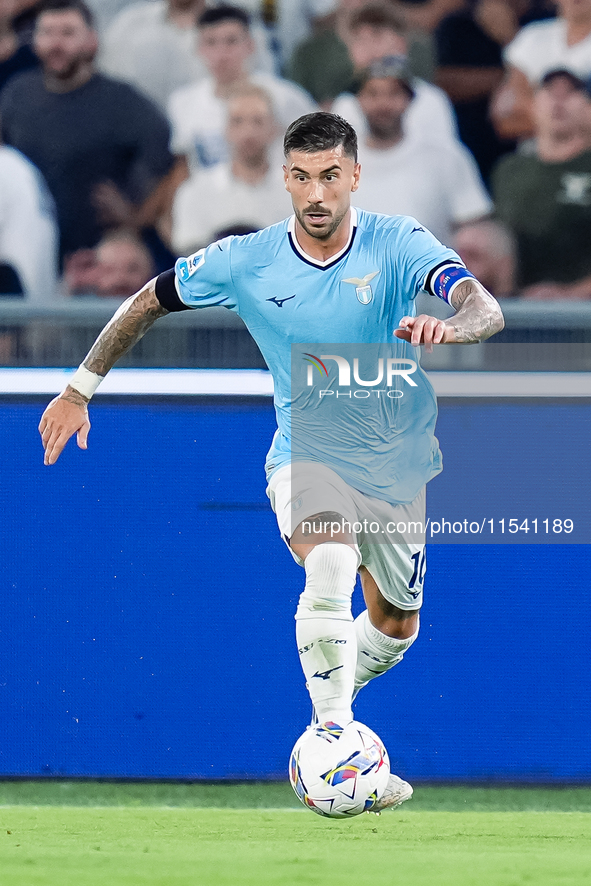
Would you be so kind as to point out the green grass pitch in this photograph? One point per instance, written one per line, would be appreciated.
(105, 834)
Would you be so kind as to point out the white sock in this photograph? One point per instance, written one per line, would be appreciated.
(376, 652)
(325, 630)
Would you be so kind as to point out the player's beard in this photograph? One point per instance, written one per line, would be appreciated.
(320, 233)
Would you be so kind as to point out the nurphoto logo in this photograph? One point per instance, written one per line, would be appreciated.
(387, 371)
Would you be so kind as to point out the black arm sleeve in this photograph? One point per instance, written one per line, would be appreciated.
(166, 293)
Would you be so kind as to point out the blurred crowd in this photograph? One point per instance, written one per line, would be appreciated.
(134, 131)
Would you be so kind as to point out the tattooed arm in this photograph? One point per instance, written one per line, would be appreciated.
(68, 414)
(478, 316)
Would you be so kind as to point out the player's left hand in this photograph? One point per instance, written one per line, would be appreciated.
(425, 330)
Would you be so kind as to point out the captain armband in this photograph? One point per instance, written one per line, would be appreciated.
(442, 280)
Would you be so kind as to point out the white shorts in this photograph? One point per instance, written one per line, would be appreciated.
(391, 538)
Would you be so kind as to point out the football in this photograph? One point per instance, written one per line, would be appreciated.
(339, 772)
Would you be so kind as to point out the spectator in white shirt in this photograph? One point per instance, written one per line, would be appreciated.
(562, 43)
(438, 184)
(152, 44)
(28, 229)
(198, 112)
(376, 31)
(247, 192)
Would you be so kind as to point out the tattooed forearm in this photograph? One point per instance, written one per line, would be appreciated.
(128, 325)
(478, 314)
(75, 397)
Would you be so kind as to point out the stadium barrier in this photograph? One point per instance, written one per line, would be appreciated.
(147, 619)
(551, 337)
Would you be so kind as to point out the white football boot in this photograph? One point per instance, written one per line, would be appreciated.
(397, 792)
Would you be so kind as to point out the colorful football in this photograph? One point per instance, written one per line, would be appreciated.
(339, 771)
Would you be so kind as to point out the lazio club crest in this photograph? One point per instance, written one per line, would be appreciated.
(363, 290)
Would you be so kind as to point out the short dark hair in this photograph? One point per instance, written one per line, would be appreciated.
(320, 131)
(65, 5)
(378, 15)
(224, 13)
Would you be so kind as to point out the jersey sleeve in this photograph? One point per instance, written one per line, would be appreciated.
(204, 279)
(425, 264)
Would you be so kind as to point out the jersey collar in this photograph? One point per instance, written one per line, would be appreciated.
(316, 263)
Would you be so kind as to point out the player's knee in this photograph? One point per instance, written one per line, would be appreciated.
(403, 626)
(331, 571)
(405, 642)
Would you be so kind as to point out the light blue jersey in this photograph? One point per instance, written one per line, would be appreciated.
(381, 444)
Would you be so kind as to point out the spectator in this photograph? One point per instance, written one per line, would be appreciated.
(247, 191)
(377, 31)
(563, 42)
(438, 184)
(425, 15)
(336, 73)
(198, 112)
(470, 56)
(101, 146)
(544, 198)
(289, 21)
(296, 20)
(487, 248)
(118, 267)
(152, 45)
(28, 230)
(79, 275)
(15, 56)
(26, 13)
(104, 11)
(124, 264)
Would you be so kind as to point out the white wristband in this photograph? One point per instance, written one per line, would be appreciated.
(85, 382)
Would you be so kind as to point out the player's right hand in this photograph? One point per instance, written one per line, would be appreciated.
(425, 330)
(63, 418)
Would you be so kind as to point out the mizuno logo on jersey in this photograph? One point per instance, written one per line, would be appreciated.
(363, 290)
(280, 301)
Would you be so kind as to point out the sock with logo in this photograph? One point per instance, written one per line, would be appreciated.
(325, 630)
(376, 652)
